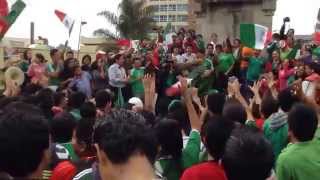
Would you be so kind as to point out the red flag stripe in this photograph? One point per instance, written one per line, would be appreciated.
(60, 15)
(4, 9)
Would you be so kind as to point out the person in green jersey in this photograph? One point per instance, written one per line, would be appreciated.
(226, 61)
(26, 61)
(173, 159)
(75, 100)
(200, 44)
(275, 128)
(255, 67)
(83, 148)
(62, 127)
(136, 75)
(203, 74)
(55, 68)
(300, 160)
(284, 50)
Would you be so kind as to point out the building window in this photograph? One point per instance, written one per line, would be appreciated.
(182, 18)
(156, 18)
(163, 18)
(172, 7)
(171, 18)
(163, 8)
(155, 8)
(182, 7)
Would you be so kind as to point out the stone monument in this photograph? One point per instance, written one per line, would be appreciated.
(224, 17)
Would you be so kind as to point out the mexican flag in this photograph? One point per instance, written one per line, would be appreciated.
(253, 35)
(8, 18)
(4, 9)
(66, 20)
(316, 35)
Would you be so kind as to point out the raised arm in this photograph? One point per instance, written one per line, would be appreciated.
(236, 88)
(150, 95)
(195, 121)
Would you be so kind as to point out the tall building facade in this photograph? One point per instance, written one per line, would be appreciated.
(175, 12)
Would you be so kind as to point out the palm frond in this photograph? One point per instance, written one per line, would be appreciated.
(110, 16)
(134, 21)
(105, 33)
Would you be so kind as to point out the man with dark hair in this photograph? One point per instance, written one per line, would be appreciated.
(248, 155)
(275, 127)
(269, 105)
(88, 110)
(75, 101)
(54, 68)
(126, 148)
(216, 133)
(83, 148)
(103, 103)
(215, 103)
(24, 142)
(61, 130)
(70, 55)
(81, 81)
(300, 160)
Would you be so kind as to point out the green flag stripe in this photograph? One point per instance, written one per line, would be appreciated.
(247, 35)
(16, 10)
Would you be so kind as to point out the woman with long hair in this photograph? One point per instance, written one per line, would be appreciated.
(37, 69)
(173, 158)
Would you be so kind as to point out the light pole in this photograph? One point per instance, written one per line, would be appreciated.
(81, 24)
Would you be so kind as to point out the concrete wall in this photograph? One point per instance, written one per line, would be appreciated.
(225, 20)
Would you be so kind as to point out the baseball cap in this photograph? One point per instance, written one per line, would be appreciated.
(136, 102)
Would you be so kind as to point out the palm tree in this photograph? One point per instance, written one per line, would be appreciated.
(134, 22)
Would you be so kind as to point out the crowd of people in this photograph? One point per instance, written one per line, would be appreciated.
(187, 110)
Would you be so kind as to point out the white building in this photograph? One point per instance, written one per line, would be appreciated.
(175, 12)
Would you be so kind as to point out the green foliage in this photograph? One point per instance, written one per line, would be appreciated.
(134, 22)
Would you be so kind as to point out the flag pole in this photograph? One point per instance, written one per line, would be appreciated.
(81, 24)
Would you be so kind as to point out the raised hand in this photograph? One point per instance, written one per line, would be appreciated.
(255, 88)
(183, 85)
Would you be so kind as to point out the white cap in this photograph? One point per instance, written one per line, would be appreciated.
(136, 102)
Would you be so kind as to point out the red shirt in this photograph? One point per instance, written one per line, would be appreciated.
(205, 171)
(259, 123)
(192, 44)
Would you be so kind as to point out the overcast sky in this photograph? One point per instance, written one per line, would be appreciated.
(303, 15)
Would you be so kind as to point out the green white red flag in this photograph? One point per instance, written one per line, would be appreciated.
(7, 18)
(253, 35)
(66, 20)
(316, 36)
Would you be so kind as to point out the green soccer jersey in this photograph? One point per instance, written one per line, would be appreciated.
(204, 84)
(277, 137)
(299, 161)
(226, 60)
(255, 68)
(86, 174)
(24, 66)
(136, 82)
(53, 81)
(76, 114)
(190, 156)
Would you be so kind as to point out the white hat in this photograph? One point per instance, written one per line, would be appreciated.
(136, 102)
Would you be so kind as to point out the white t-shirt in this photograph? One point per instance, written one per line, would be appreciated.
(178, 57)
(189, 58)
